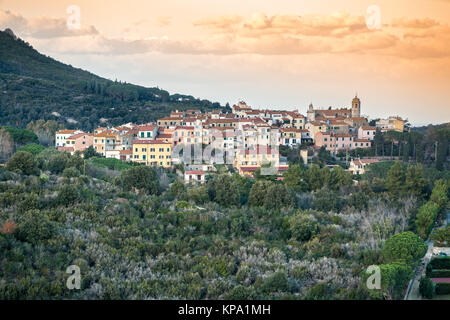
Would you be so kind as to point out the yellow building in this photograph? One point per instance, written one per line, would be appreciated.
(392, 123)
(152, 152)
(257, 157)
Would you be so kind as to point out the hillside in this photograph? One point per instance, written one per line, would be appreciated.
(137, 232)
(34, 86)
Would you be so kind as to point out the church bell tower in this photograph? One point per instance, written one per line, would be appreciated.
(356, 107)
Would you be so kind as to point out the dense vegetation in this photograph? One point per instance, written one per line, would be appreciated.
(34, 86)
(138, 232)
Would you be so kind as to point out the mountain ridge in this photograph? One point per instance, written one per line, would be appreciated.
(34, 86)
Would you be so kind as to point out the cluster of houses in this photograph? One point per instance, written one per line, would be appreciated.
(247, 138)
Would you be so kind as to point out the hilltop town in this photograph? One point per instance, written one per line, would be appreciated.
(246, 138)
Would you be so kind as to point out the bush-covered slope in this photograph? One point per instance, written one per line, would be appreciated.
(34, 86)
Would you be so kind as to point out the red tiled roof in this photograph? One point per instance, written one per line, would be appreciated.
(66, 131)
(149, 142)
(195, 172)
(147, 128)
(249, 169)
(78, 135)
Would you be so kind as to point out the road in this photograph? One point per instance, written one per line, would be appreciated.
(413, 293)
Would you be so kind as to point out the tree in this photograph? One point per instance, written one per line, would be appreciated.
(414, 181)
(405, 246)
(22, 162)
(439, 195)
(442, 235)
(68, 195)
(426, 218)
(294, 177)
(269, 195)
(315, 178)
(276, 282)
(426, 288)
(90, 153)
(33, 148)
(57, 162)
(35, 227)
(223, 190)
(177, 188)
(327, 200)
(302, 227)
(339, 177)
(394, 277)
(395, 179)
(358, 200)
(141, 178)
(258, 193)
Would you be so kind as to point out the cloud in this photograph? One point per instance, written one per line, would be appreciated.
(414, 23)
(260, 34)
(42, 27)
(164, 21)
(336, 25)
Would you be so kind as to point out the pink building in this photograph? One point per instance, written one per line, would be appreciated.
(334, 142)
(367, 133)
(80, 141)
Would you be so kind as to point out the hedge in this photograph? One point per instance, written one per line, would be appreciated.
(440, 273)
(440, 263)
(443, 288)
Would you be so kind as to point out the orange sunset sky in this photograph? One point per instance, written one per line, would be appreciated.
(272, 54)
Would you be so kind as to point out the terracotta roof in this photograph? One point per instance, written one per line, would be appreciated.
(290, 130)
(369, 128)
(149, 142)
(164, 136)
(66, 131)
(184, 128)
(194, 172)
(105, 134)
(78, 135)
(147, 128)
(249, 169)
(126, 151)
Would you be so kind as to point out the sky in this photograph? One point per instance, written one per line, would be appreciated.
(282, 54)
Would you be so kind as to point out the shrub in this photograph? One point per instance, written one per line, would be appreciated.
(71, 173)
(22, 162)
(34, 228)
(442, 288)
(302, 227)
(439, 273)
(275, 283)
(440, 263)
(405, 246)
(33, 148)
(141, 178)
(426, 288)
(68, 195)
